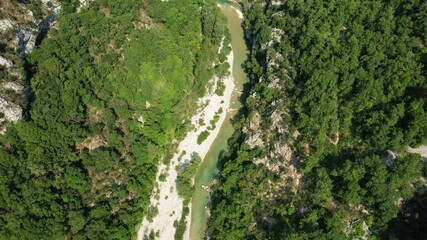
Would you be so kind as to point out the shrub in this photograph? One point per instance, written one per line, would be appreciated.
(202, 137)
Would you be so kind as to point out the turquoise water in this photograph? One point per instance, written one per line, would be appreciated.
(208, 168)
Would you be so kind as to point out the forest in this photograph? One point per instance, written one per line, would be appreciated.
(110, 82)
(338, 93)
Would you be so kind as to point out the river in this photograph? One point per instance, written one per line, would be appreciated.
(208, 168)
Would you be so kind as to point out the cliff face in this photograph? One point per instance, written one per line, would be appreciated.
(22, 25)
(267, 126)
(331, 92)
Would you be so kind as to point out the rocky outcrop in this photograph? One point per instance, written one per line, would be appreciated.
(26, 39)
(11, 111)
(6, 24)
(13, 86)
(5, 62)
(20, 30)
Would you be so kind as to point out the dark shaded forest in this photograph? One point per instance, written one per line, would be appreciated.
(113, 83)
(338, 93)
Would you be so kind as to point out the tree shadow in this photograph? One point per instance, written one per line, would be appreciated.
(411, 221)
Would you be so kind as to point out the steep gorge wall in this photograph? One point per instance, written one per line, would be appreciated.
(23, 24)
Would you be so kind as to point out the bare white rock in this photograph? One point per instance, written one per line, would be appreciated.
(5, 62)
(27, 40)
(12, 112)
(11, 86)
(6, 24)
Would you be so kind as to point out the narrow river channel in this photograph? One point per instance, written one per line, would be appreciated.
(209, 169)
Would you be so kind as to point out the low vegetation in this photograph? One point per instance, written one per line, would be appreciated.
(203, 136)
(186, 173)
(220, 88)
(185, 188)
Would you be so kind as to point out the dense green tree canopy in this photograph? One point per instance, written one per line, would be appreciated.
(348, 79)
(112, 84)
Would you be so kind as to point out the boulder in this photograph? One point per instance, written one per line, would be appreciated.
(6, 24)
(12, 112)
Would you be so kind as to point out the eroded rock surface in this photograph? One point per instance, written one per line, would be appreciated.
(22, 26)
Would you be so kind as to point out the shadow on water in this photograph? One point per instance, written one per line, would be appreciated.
(222, 155)
(243, 111)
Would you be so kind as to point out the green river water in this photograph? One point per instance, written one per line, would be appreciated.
(208, 168)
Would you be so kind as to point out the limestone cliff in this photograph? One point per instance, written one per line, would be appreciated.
(22, 25)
